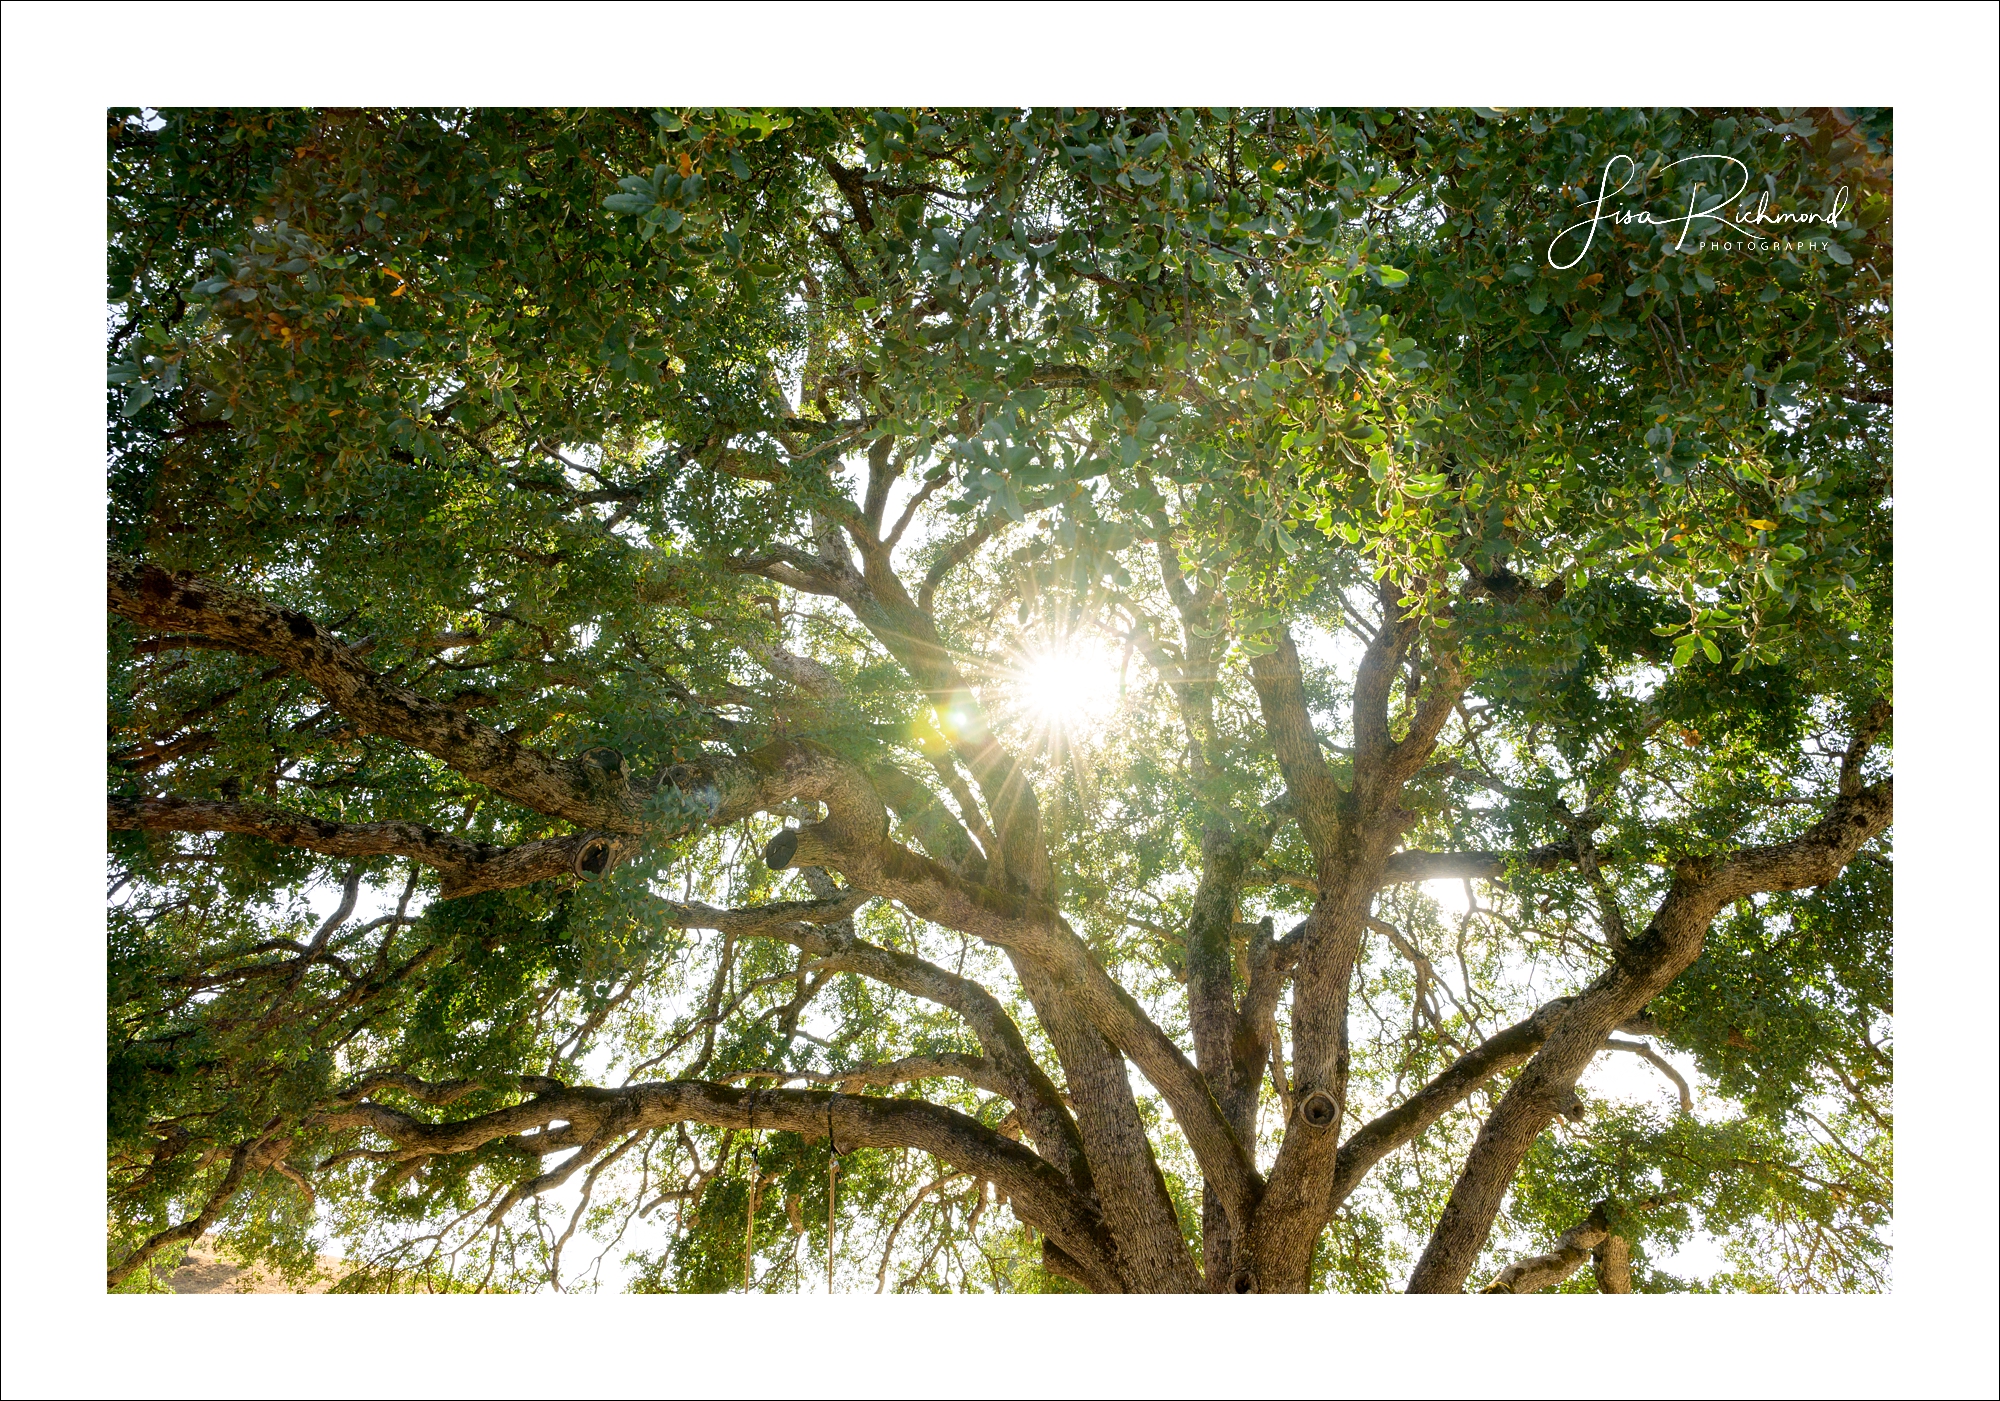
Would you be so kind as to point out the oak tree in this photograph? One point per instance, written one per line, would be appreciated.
(1122, 699)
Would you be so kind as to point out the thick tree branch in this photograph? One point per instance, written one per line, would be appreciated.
(820, 930)
(1446, 687)
(852, 840)
(1213, 1017)
(802, 673)
(1612, 1263)
(1039, 1194)
(1351, 832)
(1865, 734)
(1281, 695)
(1539, 1272)
(187, 603)
(944, 838)
(1374, 682)
(1383, 1135)
(1127, 1175)
(467, 867)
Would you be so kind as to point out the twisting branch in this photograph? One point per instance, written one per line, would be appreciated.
(1539, 1272)
(1659, 1062)
(852, 840)
(955, 554)
(591, 1119)
(1056, 972)
(467, 867)
(889, 1246)
(1350, 830)
(1374, 683)
(583, 1204)
(819, 930)
(1639, 972)
(188, 603)
(1383, 1135)
(260, 1154)
(1421, 1004)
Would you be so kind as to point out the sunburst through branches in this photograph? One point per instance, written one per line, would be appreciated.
(1065, 689)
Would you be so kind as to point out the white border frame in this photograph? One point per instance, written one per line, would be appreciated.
(64, 64)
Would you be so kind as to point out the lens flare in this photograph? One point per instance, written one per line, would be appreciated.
(1069, 686)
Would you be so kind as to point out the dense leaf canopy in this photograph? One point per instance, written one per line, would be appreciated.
(926, 699)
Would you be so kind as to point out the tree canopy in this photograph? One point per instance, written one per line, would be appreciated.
(1017, 700)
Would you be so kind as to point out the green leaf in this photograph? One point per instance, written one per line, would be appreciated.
(1711, 651)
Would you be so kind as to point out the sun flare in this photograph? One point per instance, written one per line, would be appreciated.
(1068, 686)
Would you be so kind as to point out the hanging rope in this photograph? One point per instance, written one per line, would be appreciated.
(832, 1167)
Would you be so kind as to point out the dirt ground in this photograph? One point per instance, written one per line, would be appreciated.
(206, 1272)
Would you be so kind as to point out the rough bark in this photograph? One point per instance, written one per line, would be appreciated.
(1351, 832)
(1577, 1244)
(1612, 1262)
(1227, 1052)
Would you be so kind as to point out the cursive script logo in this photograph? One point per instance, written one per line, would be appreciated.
(1760, 214)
